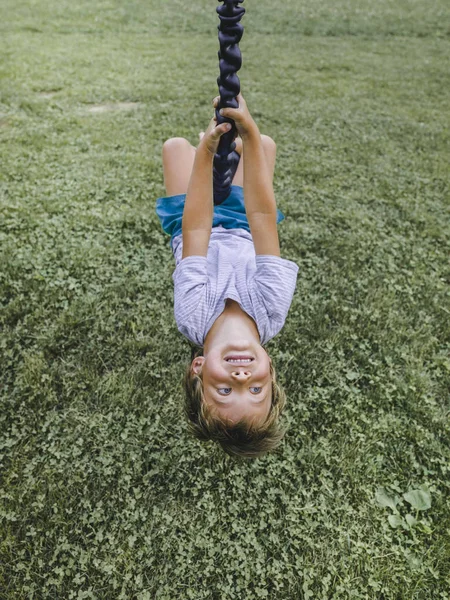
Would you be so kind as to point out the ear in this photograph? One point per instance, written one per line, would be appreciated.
(197, 364)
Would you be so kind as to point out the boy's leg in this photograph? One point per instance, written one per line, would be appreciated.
(270, 151)
(178, 160)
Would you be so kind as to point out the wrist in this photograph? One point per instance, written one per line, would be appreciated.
(204, 152)
(251, 133)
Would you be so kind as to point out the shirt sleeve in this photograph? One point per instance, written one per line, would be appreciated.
(190, 289)
(274, 285)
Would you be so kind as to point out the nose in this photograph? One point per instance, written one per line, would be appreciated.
(240, 374)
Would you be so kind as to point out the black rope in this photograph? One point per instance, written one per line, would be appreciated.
(226, 160)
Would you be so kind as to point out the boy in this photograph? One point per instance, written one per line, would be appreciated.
(232, 290)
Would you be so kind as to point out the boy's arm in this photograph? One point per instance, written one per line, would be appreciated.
(260, 204)
(198, 207)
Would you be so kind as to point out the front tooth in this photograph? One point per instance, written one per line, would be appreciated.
(241, 360)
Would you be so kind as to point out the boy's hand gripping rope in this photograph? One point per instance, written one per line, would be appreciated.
(226, 160)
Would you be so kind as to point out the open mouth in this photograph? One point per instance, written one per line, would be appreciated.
(239, 360)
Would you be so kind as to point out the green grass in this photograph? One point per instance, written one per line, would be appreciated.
(103, 494)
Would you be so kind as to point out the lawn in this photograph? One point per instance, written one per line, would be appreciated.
(103, 493)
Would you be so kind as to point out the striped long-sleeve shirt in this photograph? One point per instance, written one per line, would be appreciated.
(263, 285)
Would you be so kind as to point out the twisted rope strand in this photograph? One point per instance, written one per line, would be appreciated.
(226, 160)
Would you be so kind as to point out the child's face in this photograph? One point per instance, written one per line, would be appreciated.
(237, 391)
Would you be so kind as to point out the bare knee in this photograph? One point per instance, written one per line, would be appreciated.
(268, 142)
(175, 143)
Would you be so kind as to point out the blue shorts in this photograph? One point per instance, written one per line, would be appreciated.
(230, 214)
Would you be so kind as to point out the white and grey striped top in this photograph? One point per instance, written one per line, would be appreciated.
(262, 284)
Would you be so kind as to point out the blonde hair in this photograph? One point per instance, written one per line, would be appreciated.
(240, 439)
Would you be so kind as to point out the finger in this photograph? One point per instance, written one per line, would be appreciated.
(220, 130)
(229, 112)
(241, 100)
(216, 100)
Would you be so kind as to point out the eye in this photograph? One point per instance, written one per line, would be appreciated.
(227, 391)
